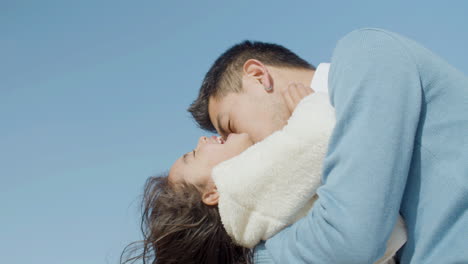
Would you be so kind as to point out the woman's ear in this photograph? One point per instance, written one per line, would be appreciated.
(210, 197)
(258, 70)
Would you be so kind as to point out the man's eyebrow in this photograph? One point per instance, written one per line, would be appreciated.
(220, 127)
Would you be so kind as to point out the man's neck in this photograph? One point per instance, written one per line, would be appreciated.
(284, 76)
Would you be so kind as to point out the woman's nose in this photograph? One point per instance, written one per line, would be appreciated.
(201, 140)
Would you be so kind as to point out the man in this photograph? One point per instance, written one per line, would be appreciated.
(398, 146)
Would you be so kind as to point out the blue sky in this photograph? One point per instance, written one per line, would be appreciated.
(93, 98)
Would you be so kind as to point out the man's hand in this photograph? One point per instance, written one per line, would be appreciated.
(294, 94)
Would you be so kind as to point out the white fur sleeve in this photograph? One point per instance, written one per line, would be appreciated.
(273, 183)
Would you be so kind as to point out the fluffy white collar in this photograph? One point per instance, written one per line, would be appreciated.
(273, 183)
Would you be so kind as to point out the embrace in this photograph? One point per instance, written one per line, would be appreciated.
(360, 160)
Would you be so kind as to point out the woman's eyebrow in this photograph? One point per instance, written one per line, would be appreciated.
(184, 158)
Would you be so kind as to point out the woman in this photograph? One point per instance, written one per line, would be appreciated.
(180, 221)
(224, 197)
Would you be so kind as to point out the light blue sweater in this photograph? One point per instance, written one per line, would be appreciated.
(400, 145)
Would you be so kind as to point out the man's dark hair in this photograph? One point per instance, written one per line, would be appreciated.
(225, 75)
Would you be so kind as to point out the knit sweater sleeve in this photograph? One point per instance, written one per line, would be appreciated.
(376, 92)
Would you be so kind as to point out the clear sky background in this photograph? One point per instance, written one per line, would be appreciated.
(93, 99)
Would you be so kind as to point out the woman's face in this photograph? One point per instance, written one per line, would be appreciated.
(195, 166)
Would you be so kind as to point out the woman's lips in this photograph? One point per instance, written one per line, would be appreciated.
(215, 139)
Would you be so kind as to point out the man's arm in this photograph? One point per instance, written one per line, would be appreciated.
(376, 92)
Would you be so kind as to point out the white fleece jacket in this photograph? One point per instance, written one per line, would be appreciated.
(273, 183)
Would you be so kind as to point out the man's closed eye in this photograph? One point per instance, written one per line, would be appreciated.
(230, 129)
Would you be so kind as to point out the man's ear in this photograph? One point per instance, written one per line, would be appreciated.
(258, 71)
(210, 197)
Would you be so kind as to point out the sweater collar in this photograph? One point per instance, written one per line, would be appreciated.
(320, 80)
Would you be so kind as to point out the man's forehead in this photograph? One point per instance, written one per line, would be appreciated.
(215, 112)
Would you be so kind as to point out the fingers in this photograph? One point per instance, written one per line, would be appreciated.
(294, 94)
(288, 100)
(293, 89)
(304, 91)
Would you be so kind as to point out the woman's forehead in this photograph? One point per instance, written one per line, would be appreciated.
(175, 173)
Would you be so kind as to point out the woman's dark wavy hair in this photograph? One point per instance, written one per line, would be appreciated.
(178, 227)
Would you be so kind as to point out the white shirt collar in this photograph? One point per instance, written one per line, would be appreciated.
(320, 80)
